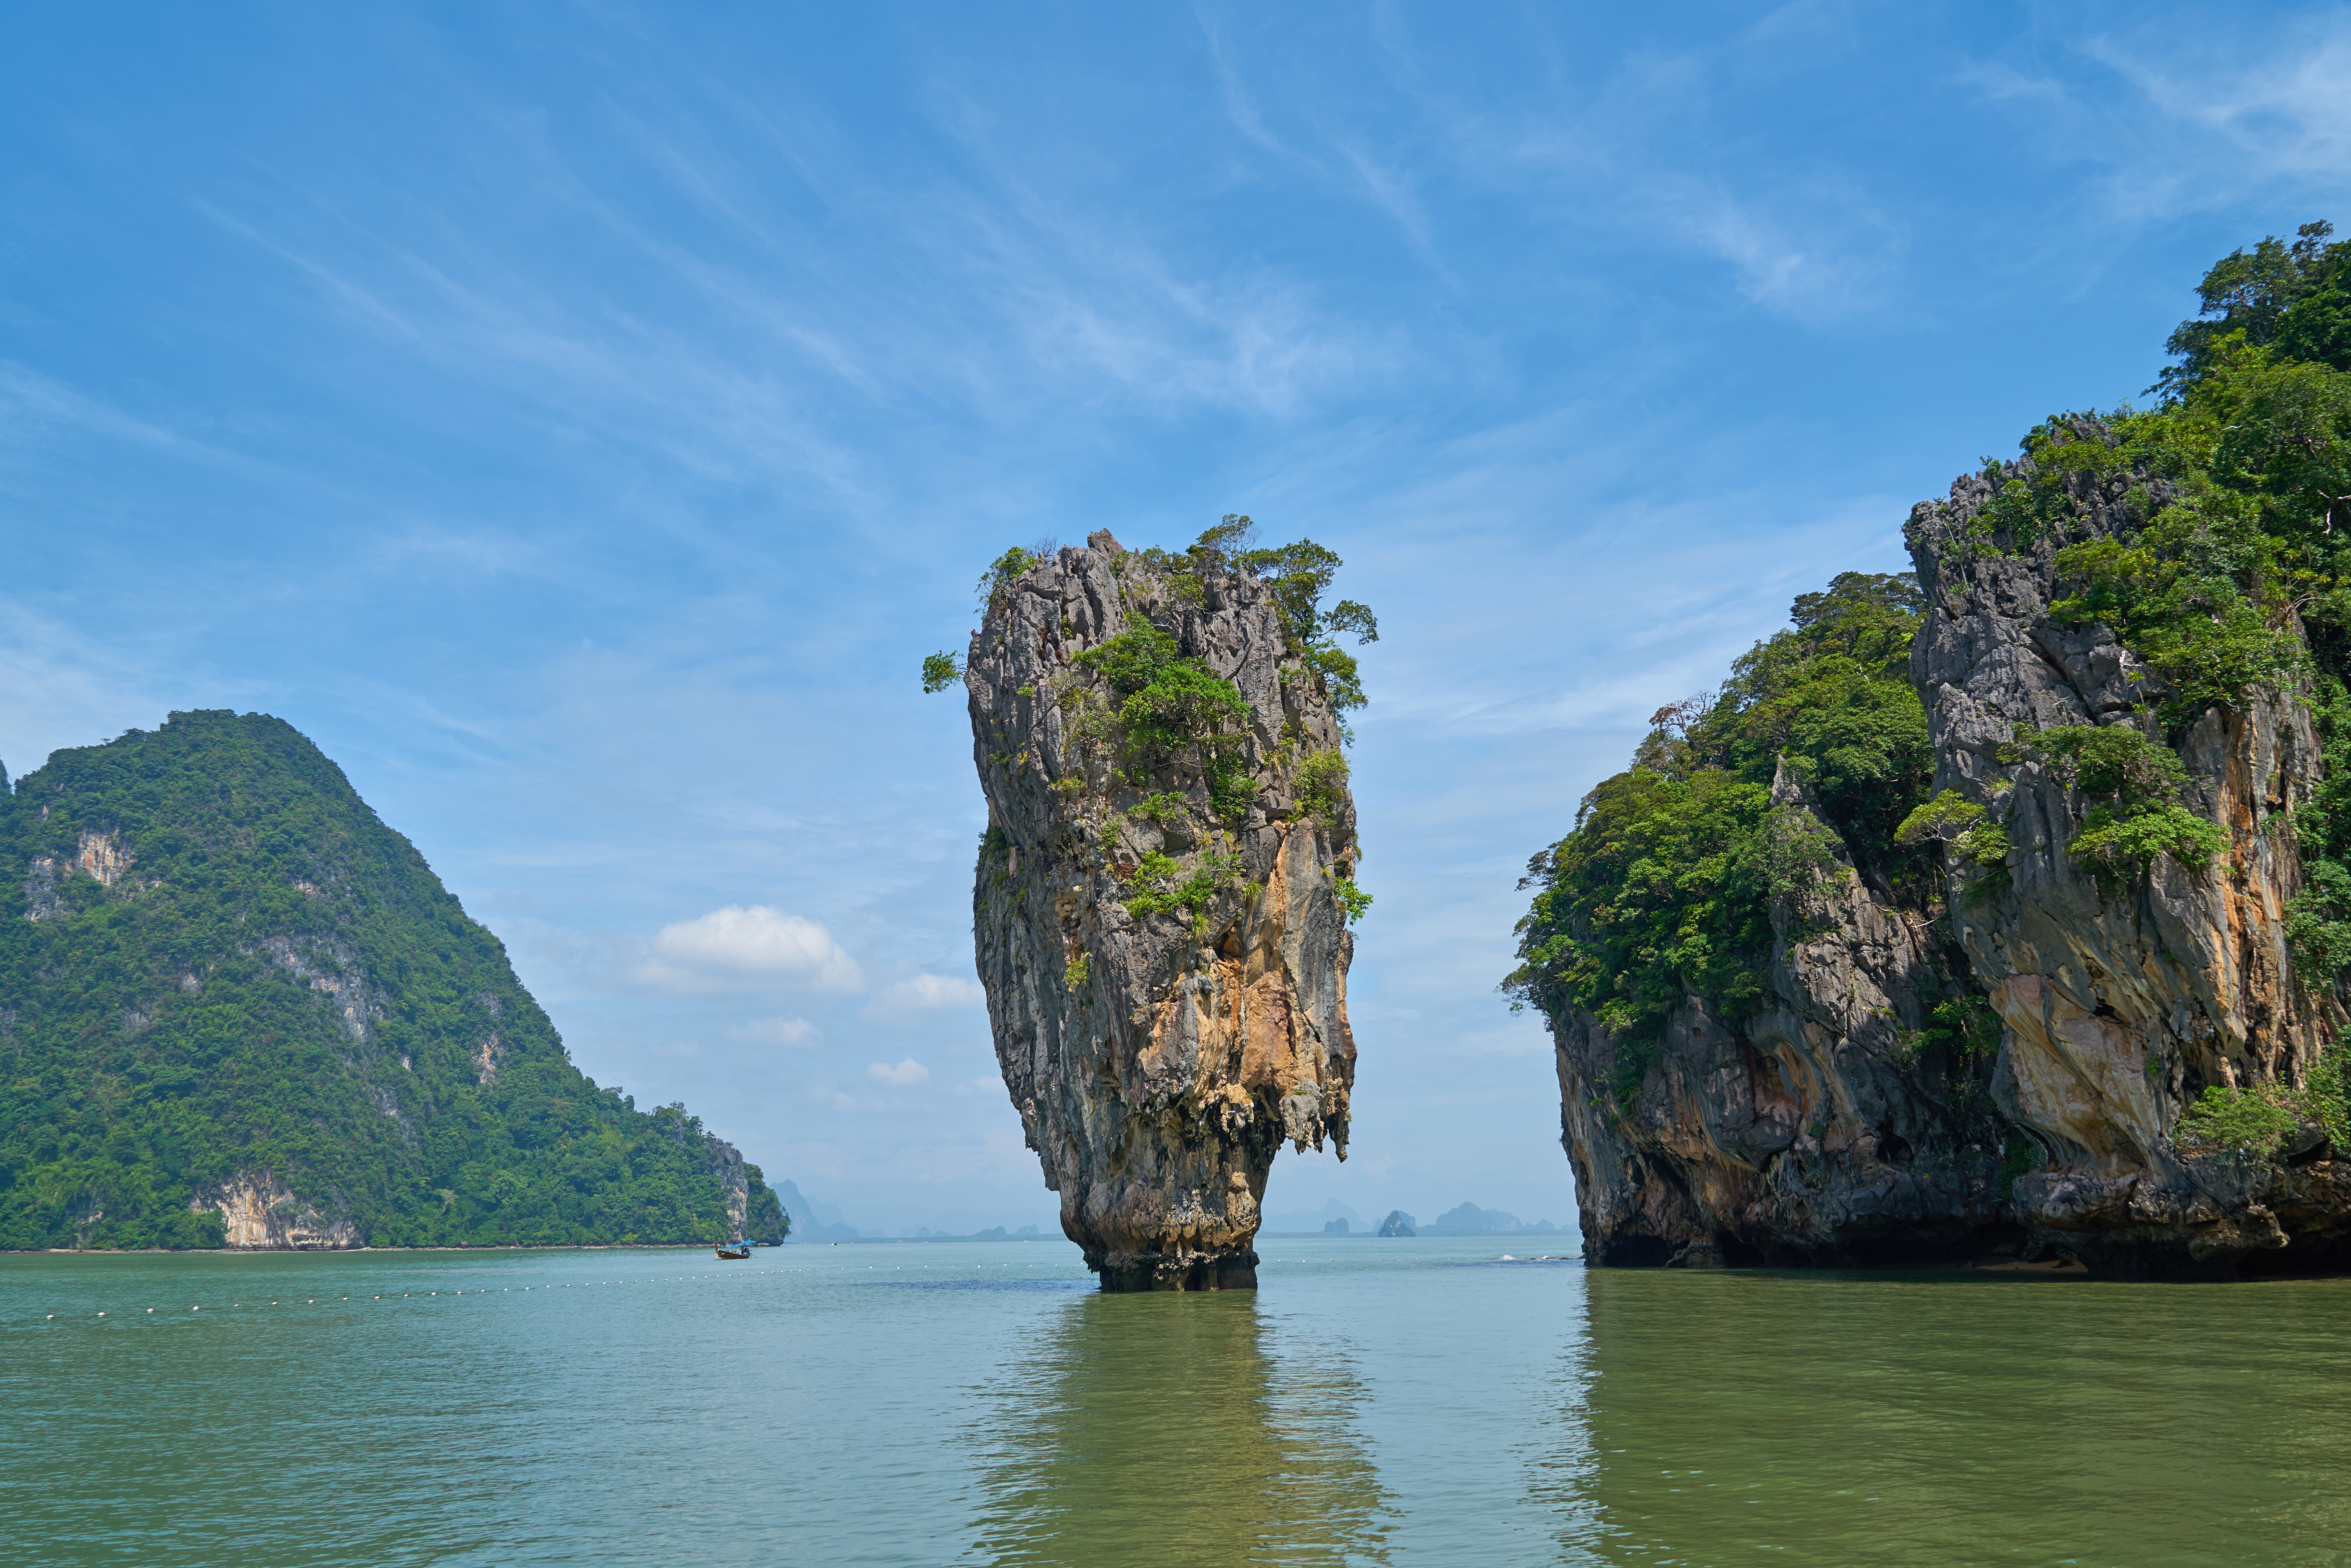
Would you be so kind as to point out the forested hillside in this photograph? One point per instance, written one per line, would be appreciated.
(233, 1005)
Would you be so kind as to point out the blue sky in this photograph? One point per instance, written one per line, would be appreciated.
(580, 420)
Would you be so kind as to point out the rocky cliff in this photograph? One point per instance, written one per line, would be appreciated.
(1160, 902)
(2112, 871)
(2125, 997)
(1824, 1127)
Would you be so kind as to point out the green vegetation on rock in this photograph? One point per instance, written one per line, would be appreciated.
(2260, 1119)
(2228, 570)
(1664, 889)
(2135, 784)
(1168, 713)
(218, 967)
(2211, 533)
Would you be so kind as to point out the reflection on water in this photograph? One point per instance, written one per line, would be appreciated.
(1386, 1402)
(1924, 1419)
(1164, 1428)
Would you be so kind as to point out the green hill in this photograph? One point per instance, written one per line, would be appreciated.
(234, 1006)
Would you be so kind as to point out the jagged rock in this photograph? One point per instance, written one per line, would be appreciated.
(2121, 1005)
(1158, 1058)
(1398, 1223)
(1806, 1133)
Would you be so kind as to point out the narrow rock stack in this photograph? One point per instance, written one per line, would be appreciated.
(1158, 906)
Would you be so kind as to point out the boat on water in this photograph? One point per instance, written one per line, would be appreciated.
(734, 1254)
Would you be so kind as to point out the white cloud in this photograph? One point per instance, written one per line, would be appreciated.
(738, 945)
(932, 991)
(905, 1075)
(777, 1031)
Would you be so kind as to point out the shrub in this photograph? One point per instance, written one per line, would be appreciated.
(2241, 1120)
(1165, 807)
(1664, 889)
(1795, 853)
(1002, 572)
(1353, 902)
(1946, 816)
(2258, 1120)
(940, 670)
(1168, 704)
(1230, 790)
(1149, 891)
(2318, 923)
(1318, 779)
(2136, 783)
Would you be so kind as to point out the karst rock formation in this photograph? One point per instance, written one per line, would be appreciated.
(1810, 1132)
(1159, 927)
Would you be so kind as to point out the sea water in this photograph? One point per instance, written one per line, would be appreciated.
(1410, 1401)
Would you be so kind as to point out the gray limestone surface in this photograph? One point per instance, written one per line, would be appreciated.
(1158, 1057)
(1815, 1133)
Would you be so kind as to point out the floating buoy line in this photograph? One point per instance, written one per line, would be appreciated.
(369, 1299)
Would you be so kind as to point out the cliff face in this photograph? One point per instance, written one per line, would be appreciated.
(1159, 927)
(1816, 1131)
(2123, 1003)
(1835, 1126)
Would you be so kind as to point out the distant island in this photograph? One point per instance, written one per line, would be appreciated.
(1464, 1219)
(239, 1011)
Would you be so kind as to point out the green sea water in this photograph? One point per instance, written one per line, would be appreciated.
(1425, 1401)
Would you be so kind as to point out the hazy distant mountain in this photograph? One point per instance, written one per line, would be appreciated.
(821, 1222)
(1468, 1219)
(809, 1222)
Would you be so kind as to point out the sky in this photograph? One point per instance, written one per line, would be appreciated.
(580, 419)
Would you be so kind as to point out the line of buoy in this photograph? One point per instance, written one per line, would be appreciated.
(671, 1278)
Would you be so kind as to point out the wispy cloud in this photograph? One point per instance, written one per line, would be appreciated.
(2285, 112)
(793, 1031)
(905, 1075)
(925, 992)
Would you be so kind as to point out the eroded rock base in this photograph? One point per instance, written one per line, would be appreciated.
(1121, 1271)
(1892, 1248)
